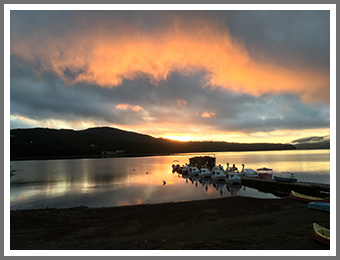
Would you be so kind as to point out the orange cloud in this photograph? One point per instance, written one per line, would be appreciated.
(181, 102)
(206, 114)
(129, 107)
(106, 59)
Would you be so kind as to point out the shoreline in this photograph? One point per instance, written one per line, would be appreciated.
(99, 156)
(230, 223)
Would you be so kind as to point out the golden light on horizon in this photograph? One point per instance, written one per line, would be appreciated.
(182, 138)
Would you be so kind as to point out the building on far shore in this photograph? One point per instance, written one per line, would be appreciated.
(112, 153)
(203, 160)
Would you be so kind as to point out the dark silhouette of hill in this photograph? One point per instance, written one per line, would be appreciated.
(313, 142)
(66, 143)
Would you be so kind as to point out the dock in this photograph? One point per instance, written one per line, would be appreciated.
(282, 189)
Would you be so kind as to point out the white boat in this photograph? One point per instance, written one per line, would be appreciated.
(248, 172)
(233, 176)
(217, 174)
(185, 169)
(193, 170)
(175, 166)
(286, 177)
(205, 172)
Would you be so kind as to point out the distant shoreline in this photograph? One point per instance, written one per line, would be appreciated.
(50, 144)
(36, 158)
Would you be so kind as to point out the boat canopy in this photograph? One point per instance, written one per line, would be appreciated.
(264, 169)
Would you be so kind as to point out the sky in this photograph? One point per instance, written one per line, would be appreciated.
(203, 75)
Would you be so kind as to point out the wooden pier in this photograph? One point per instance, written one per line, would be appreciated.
(282, 189)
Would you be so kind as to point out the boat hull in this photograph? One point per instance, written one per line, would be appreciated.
(233, 180)
(251, 175)
(284, 179)
(265, 175)
(218, 178)
(321, 234)
(306, 198)
(205, 176)
(319, 205)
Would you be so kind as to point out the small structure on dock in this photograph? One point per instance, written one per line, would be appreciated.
(203, 160)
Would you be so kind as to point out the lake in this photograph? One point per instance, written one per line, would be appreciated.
(106, 182)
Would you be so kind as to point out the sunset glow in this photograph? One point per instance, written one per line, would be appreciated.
(182, 75)
(186, 48)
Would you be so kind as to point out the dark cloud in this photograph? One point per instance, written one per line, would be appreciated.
(232, 111)
(301, 36)
(288, 37)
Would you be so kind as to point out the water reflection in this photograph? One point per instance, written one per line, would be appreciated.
(205, 182)
(219, 186)
(234, 188)
(129, 181)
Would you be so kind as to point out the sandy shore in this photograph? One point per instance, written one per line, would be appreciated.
(232, 223)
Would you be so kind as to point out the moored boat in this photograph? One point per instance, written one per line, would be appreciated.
(193, 170)
(233, 175)
(319, 205)
(217, 174)
(321, 233)
(175, 166)
(307, 198)
(248, 172)
(185, 169)
(264, 173)
(204, 172)
(286, 177)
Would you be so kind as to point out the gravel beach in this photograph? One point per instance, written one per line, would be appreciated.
(231, 223)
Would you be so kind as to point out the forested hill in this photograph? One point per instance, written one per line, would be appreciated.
(92, 142)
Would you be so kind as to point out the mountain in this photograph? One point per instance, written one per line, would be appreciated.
(313, 142)
(93, 142)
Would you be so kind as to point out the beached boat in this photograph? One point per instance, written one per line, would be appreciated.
(217, 174)
(264, 173)
(286, 177)
(205, 172)
(307, 198)
(248, 172)
(321, 233)
(193, 170)
(319, 205)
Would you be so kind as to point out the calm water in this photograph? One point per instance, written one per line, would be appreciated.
(128, 181)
